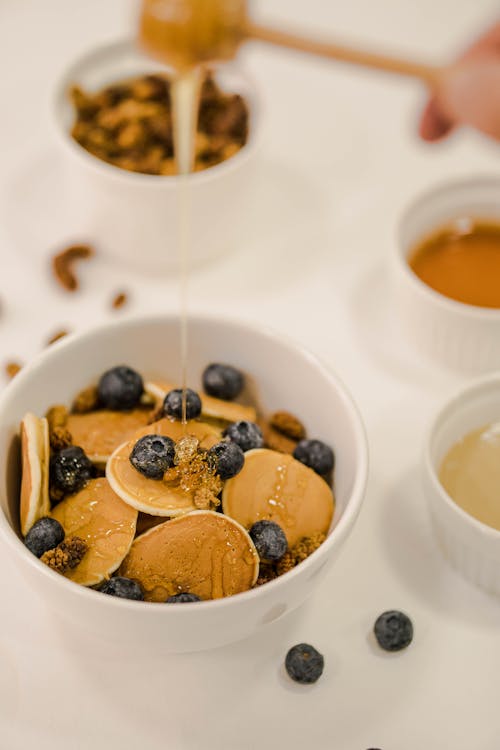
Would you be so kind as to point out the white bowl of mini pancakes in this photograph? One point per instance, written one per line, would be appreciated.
(133, 217)
(282, 376)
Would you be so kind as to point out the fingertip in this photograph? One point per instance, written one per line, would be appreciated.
(434, 125)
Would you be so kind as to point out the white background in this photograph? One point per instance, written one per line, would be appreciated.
(341, 159)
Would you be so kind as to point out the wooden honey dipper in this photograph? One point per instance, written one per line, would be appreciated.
(186, 33)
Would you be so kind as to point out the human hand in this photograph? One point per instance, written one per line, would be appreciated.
(468, 92)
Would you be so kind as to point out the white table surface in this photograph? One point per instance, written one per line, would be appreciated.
(341, 159)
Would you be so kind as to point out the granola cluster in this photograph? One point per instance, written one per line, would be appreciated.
(66, 555)
(292, 557)
(59, 436)
(194, 471)
(129, 124)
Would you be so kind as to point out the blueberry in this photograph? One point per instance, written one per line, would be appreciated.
(247, 435)
(172, 406)
(70, 469)
(183, 598)
(153, 455)
(223, 381)
(393, 630)
(120, 388)
(315, 454)
(304, 664)
(45, 534)
(269, 539)
(229, 459)
(125, 588)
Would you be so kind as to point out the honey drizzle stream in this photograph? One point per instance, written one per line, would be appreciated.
(185, 92)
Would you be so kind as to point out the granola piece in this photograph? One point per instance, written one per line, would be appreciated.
(204, 499)
(267, 573)
(288, 425)
(55, 494)
(160, 127)
(228, 116)
(151, 162)
(171, 475)
(79, 132)
(112, 95)
(60, 438)
(57, 336)
(119, 300)
(306, 546)
(87, 400)
(12, 368)
(153, 87)
(62, 264)
(57, 416)
(84, 103)
(275, 440)
(131, 135)
(97, 138)
(66, 555)
(168, 167)
(286, 563)
(299, 552)
(230, 150)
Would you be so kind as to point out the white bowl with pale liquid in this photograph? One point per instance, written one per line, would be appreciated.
(285, 376)
(134, 218)
(472, 546)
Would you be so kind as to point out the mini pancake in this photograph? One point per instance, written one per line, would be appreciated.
(202, 552)
(215, 408)
(35, 456)
(106, 523)
(99, 433)
(154, 496)
(276, 487)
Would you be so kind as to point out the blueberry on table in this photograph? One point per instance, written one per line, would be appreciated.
(222, 381)
(120, 388)
(125, 588)
(172, 405)
(304, 664)
(153, 455)
(70, 469)
(269, 539)
(229, 459)
(393, 630)
(183, 598)
(247, 435)
(315, 454)
(44, 535)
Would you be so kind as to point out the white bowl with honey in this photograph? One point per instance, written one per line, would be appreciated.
(447, 274)
(281, 375)
(114, 129)
(462, 481)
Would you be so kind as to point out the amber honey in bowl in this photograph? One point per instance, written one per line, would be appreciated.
(461, 260)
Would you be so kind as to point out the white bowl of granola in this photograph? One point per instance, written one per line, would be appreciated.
(132, 216)
(151, 347)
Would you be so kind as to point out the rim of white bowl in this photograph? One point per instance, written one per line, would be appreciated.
(426, 292)
(458, 400)
(339, 532)
(71, 75)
